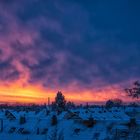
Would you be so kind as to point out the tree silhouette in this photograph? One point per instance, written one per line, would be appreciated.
(60, 102)
(109, 104)
(114, 102)
(134, 92)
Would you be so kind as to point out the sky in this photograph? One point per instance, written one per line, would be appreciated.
(89, 50)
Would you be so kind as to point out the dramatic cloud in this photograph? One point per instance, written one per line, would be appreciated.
(73, 45)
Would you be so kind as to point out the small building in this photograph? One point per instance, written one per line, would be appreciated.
(73, 116)
(9, 115)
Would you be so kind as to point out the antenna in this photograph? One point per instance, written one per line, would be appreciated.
(48, 101)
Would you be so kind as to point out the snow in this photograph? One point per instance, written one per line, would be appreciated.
(107, 120)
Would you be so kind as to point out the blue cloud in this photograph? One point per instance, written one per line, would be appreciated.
(80, 41)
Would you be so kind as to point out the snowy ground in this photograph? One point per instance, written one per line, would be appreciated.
(107, 122)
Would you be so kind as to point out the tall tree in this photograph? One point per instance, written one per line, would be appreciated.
(60, 102)
(134, 92)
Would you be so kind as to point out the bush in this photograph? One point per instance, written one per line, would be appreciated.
(132, 123)
(44, 131)
(90, 122)
(37, 132)
(54, 120)
(22, 120)
(77, 130)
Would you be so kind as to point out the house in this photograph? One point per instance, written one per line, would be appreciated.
(9, 115)
(73, 116)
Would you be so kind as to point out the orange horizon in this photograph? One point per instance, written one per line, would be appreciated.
(34, 93)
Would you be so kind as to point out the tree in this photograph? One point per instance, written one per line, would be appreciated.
(60, 102)
(134, 92)
(70, 105)
(114, 103)
(117, 102)
(109, 104)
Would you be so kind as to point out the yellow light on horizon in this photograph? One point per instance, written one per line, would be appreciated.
(35, 93)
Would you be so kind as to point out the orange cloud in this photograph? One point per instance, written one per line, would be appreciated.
(36, 94)
(18, 93)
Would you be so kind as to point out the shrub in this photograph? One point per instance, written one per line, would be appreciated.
(90, 122)
(77, 130)
(22, 120)
(54, 120)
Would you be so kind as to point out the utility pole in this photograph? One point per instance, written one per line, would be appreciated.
(49, 103)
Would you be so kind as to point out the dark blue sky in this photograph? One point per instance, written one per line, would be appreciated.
(60, 42)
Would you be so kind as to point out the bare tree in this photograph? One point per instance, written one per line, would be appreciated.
(134, 92)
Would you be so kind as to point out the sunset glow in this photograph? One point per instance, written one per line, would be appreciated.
(18, 93)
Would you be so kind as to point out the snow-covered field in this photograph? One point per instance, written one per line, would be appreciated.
(72, 125)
